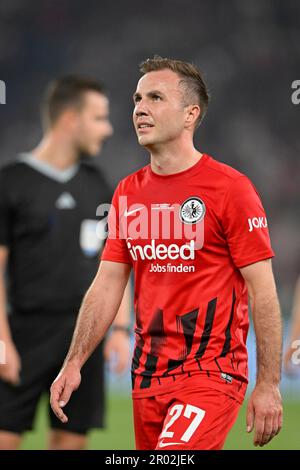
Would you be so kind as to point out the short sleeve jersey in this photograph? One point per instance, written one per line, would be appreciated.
(186, 235)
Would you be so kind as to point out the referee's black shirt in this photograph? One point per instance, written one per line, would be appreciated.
(48, 221)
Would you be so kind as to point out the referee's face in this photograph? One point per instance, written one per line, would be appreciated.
(93, 125)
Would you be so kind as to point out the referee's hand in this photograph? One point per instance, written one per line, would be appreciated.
(67, 381)
(10, 370)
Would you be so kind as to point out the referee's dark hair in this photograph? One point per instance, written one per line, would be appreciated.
(66, 92)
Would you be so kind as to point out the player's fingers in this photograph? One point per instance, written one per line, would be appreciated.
(59, 413)
(259, 429)
(275, 430)
(65, 395)
(55, 398)
(250, 417)
(279, 420)
(268, 430)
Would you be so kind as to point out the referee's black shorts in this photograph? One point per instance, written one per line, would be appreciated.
(43, 342)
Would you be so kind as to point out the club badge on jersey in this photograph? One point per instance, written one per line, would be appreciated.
(192, 210)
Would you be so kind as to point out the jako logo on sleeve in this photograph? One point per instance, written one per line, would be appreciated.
(257, 222)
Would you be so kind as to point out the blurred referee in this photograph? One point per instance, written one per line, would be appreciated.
(49, 253)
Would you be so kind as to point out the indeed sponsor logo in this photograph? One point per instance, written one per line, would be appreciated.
(257, 222)
(161, 251)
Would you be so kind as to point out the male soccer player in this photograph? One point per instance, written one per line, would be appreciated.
(195, 232)
(49, 242)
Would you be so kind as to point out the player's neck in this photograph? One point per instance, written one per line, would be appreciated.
(167, 160)
(56, 152)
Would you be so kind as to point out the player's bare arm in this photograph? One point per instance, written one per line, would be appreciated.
(98, 310)
(295, 328)
(264, 412)
(10, 371)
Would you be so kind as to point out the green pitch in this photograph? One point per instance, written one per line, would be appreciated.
(119, 432)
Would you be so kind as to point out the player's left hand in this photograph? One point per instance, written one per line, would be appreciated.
(117, 350)
(264, 413)
(67, 381)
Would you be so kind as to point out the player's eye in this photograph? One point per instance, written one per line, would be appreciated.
(136, 99)
(156, 97)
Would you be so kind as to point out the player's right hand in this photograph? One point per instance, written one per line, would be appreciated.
(10, 371)
(67, 381)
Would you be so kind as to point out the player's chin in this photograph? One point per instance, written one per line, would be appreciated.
(145, 140)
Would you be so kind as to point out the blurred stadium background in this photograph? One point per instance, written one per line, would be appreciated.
(250, 53)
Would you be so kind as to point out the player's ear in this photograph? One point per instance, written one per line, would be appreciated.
(192, 114)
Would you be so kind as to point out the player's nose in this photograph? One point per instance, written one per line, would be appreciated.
(140, 109)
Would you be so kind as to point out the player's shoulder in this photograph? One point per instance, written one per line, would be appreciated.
(133, 180)
(227, 180)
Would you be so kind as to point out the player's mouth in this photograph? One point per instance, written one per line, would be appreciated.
(143, 127)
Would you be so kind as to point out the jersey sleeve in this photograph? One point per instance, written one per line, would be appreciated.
(245, 224)
(115, 248)
(5, 213)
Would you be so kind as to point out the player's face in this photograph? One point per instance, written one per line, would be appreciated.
(159, 113)
(93, 125)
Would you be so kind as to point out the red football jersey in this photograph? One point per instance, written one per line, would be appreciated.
(186, 236)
